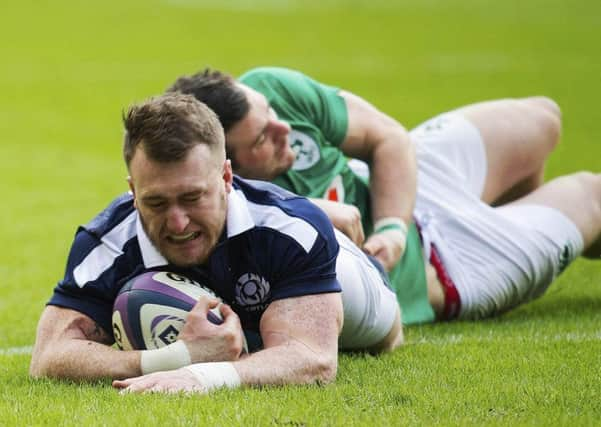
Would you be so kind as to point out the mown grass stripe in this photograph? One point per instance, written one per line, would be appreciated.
(15, 350)
(575, 337)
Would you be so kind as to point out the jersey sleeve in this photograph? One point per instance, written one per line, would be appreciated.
(293, 92)
(95, 296)
(305, 270)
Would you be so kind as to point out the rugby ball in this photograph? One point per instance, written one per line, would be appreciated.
(151, 309)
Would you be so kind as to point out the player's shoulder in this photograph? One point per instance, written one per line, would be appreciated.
(276, 208)
(275, 82)
(99, 244)
(267, 73)
(120, 210)
(269, 194)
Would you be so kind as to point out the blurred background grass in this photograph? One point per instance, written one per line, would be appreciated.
(69, 68)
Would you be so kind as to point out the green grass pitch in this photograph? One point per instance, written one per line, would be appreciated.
(68, 69)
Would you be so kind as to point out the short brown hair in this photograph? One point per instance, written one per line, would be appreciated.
(168, 126)
(219, 91)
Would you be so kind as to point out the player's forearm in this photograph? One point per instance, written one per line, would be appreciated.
(394, 177)
(293, 363)
(288, 364)
(300, 336)
(84, 360)
(71, 345)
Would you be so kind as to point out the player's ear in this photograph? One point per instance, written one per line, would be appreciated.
(228, 175)
(130, 183)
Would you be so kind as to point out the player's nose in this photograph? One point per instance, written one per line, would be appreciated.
(281, 128)
(177, 220)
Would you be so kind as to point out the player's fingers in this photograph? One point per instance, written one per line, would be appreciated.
(388, 257)
(126, 382)
(359, 234)
(385, 261)
(200, 311)
(354, 231)
(347, 230)
(121, 383)
(373, 245)
(208, 302)
(202, 305)
(214, 302)
(231, 321)
(141, 385)
(376, 248)
(228, 314)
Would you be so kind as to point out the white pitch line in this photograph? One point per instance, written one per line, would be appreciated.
(575, 337)
(10, 351)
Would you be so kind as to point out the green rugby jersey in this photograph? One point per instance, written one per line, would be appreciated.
(318, 118)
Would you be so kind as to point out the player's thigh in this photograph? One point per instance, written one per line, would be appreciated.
(518, 135)
(450, 151)
(499, 258)
(577, 196)
(370, 308)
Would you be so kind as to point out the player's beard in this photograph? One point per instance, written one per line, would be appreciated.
(198, 249)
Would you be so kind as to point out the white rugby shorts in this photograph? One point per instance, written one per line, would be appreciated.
(370, 307)
(499, 257)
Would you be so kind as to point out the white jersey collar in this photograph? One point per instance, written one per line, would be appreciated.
(239, 218)
(151, 256)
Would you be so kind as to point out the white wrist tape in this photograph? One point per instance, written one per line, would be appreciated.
(172, 356)
(390, 223)
(215, 375)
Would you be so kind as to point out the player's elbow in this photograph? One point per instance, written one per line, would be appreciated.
(40, 366)
(317, 368)
(394, 339)
(390, 343)
(325, 369)
(47, 362)
(35, 370)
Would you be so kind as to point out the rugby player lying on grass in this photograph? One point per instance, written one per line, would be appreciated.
(284, 127)
(187, 213)
(481, 260)
(467, 224)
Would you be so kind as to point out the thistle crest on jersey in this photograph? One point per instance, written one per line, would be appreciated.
(252, 290)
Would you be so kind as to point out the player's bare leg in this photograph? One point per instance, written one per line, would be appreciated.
(518, 135)
(578, 196)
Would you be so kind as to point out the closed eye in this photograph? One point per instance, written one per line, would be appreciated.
(154, 204)
(260, 140)
(191, 199)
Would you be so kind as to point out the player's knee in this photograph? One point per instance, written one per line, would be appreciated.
(393, 339)
(547, 115)
(545, 103)
(590, 183)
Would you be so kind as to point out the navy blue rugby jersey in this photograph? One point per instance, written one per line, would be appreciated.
(275, 245)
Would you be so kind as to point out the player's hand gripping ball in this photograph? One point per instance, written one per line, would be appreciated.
(152, 308)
